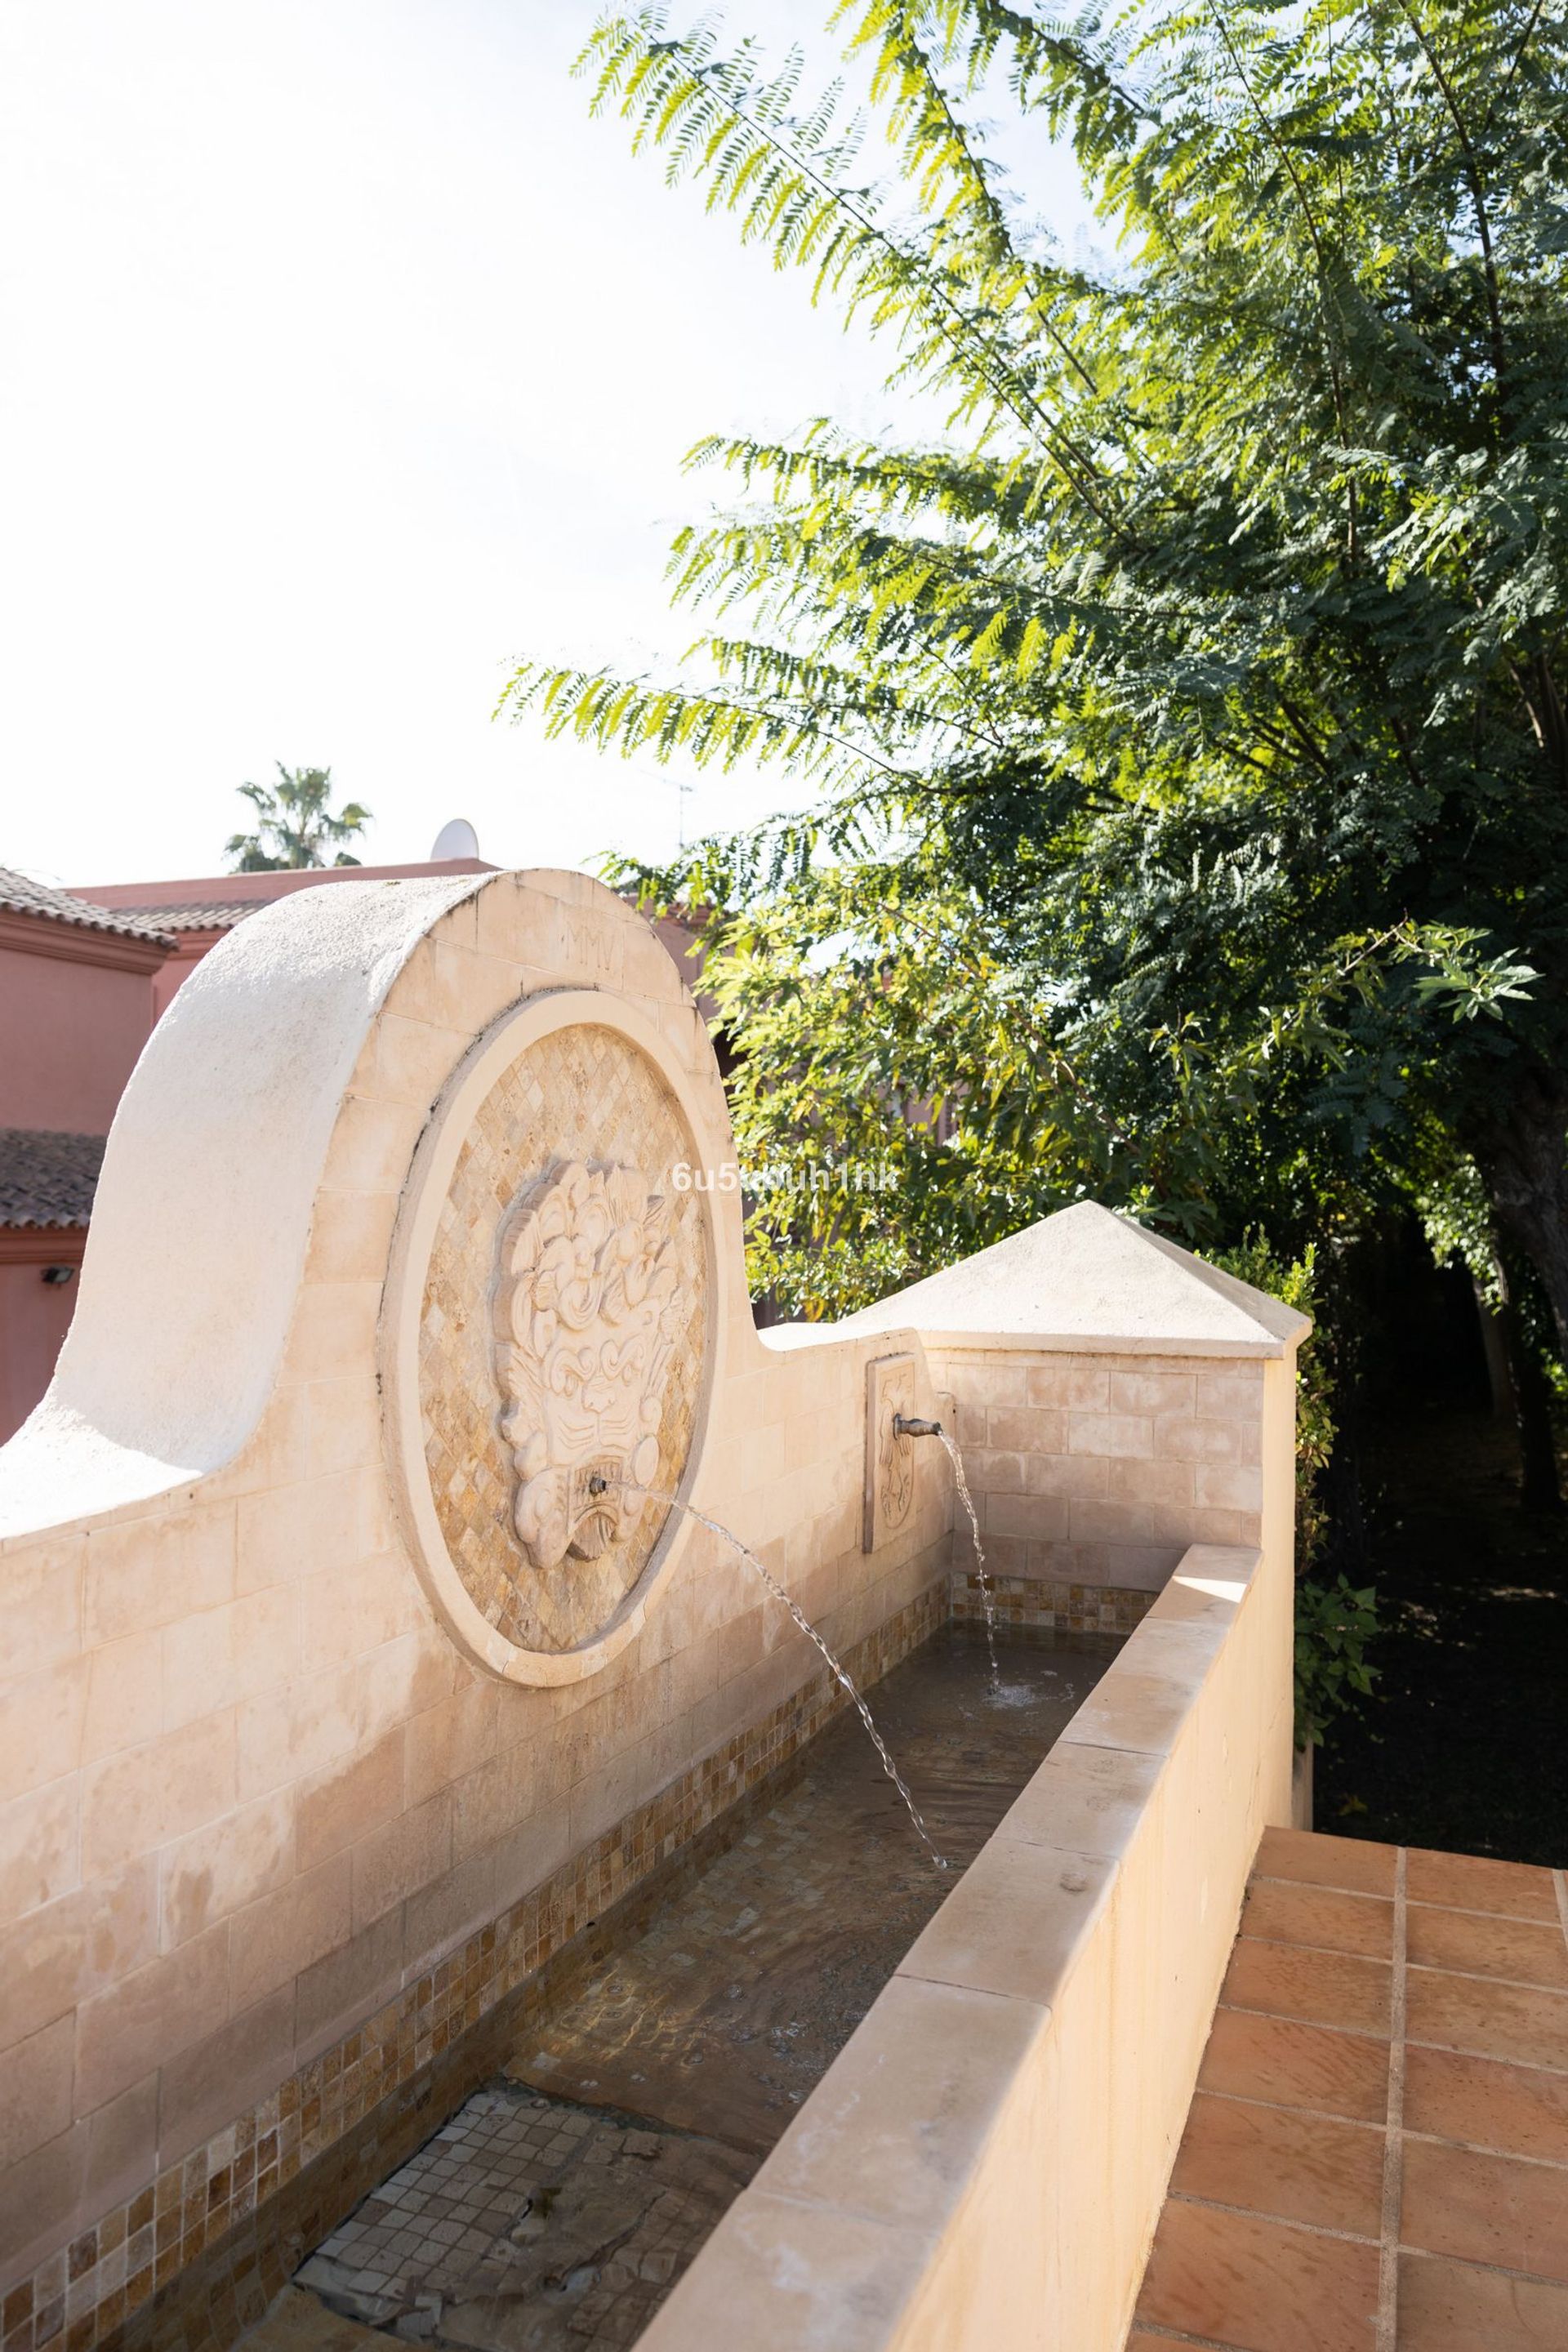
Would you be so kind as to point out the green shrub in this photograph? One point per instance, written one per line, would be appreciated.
(1333, 1626)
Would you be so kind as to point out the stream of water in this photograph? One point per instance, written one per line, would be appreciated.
(840, 1672)
(987, 1601)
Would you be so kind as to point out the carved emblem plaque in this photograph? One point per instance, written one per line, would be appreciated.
(555, 1312)
(890, 1458)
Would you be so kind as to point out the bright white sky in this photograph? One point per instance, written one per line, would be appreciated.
(345, 358)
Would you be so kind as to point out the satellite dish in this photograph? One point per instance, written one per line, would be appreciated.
(455, 839)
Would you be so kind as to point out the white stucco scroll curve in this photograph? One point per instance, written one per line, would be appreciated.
(203, 1213)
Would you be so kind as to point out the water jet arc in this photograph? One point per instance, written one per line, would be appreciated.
(597, 1485)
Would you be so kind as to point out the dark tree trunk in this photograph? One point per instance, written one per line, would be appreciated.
(1494, 1347)
(1524, 1161)
(1528, 1400)
(1539, 1489)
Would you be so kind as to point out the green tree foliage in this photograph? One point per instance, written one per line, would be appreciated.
(1297, 1285)
(295, 824)
(1336, 1623)
(1188, 718)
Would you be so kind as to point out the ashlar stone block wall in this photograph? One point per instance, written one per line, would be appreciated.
(1101, 1470)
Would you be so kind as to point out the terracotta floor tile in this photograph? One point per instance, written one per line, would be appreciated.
(1320, 1988)
(1321, 1916)
(1486, 1945)
(1485, 2208)
(1271, 2160)
(1283, 2142)
(1294, 2065)
(1144, 2339)
(1493, 2021)
(1261, 2285)
(1518, 2110)
(1468, 1881)
(1449, 2307)
(1357, 1864)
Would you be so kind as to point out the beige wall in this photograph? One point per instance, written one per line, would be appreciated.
(1101, 1469)
(248, 1789)
(982, 2168)
(249, 1785)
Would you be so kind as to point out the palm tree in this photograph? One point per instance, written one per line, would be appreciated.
(296, 827)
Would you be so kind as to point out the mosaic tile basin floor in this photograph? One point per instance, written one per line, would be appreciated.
(555, 2211)
(528, 2225)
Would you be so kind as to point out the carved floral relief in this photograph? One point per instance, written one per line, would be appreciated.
(585, 1317)
(547, 1350)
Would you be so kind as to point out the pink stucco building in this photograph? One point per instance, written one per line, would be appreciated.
(84, 974)
(75, 1006)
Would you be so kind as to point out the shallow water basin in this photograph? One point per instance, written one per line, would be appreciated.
(561, 2203)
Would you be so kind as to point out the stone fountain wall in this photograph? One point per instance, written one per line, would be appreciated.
(351, 1675)
(330, 1714)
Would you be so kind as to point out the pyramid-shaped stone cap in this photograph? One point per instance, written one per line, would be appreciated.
(1088, 1280)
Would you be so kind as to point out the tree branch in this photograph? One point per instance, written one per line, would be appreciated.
(998, 375)
(1283, 152)
(1473, 181)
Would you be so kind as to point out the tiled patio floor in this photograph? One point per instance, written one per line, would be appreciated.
(1376, 2156)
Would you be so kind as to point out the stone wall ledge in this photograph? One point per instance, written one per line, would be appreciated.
(984, 2164)
(940, 1342)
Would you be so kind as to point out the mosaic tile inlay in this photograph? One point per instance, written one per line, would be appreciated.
(529, 2221)
(1024, 1602)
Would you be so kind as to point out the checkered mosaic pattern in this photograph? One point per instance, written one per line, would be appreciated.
(1024, 1602)
(521, 2193)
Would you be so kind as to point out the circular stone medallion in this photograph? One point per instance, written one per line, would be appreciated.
(547, 1336)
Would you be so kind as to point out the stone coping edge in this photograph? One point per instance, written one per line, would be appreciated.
(937, 1342)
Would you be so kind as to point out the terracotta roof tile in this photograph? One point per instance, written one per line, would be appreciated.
(48, 1178)
(21, 896)
(213, 915)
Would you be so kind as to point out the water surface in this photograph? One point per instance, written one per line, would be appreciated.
(726, 2010)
